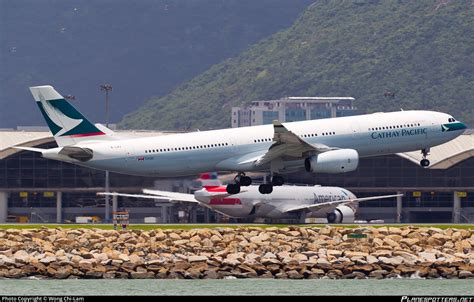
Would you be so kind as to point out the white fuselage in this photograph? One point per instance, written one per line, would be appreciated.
(226, 150)
(251, 203)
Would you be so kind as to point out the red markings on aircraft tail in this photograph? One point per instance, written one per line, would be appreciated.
(208, 176)
(87, 134)
(224, 201)
(216, 189)
(205, 176)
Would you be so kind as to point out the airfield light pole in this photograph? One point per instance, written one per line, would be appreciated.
(70, 97)
(107, 88)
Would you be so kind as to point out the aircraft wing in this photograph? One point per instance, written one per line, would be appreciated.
(155, 194)
(331, 204)
(286, 143)
(170, 196)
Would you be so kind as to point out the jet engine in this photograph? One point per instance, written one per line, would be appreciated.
(335, 161)
(341, 214)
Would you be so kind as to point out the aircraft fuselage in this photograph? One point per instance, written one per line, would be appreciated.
(226, 150)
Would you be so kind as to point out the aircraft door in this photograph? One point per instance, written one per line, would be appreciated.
(425, 128)
(234, 142)
(357, 135)
(129, 154)
(355, 129)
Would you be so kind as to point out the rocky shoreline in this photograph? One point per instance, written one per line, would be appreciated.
(285, 253)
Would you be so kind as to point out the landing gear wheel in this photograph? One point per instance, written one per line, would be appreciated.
(278, 180)
(245, 181)
(265, 188)
(233, 188)
(331, 217)
(424, 162)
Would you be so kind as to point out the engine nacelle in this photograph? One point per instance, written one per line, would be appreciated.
(341, 214)
(335, 161)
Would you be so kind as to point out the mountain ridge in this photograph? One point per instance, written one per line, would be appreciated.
(420, 51)
(142, 48)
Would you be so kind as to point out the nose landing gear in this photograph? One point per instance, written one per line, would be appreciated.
(425, 162)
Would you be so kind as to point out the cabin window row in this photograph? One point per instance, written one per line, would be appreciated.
(261, 140)
(315, 134)
(187, 148)
(394, 127)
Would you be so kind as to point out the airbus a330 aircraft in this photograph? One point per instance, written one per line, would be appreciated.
(320, 146)
(338, 205)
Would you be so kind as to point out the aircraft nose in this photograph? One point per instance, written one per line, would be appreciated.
(459, 126)
(202, 196)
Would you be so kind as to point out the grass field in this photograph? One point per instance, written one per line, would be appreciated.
(201, 226)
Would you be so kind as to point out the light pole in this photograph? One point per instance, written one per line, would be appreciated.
(70, 97)
(107, 88)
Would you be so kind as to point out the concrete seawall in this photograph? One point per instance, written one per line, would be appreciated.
(293, 252)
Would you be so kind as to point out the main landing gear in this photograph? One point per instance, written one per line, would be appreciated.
(265, 188)
(425, 162)
(240, 180)
(277, 180)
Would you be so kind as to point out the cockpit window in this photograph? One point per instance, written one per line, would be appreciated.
(451, 120)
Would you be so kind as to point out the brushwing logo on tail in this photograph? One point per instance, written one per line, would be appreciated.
(62, 122)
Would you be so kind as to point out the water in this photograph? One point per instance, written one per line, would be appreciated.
(237, 287)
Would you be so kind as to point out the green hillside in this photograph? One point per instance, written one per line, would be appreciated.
(421, 50)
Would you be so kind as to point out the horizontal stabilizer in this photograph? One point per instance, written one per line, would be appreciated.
(30, 149)
(77, 153)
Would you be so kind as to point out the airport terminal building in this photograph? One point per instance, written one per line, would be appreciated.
(41, 190)
(48, 191)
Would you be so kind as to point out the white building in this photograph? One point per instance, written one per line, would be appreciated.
(292, 109)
